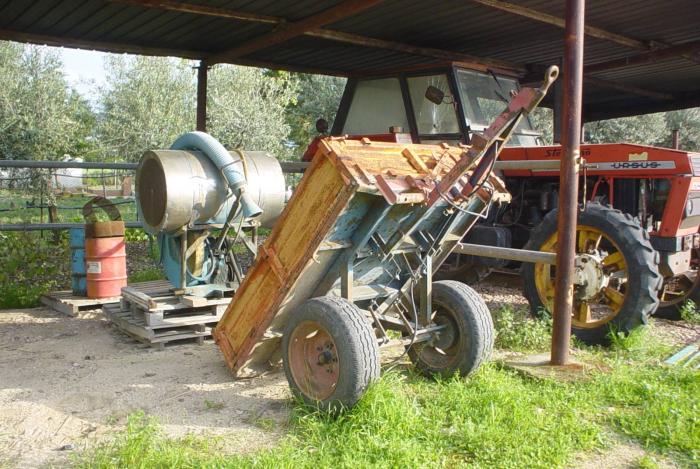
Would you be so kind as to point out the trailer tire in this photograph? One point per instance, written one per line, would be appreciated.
(330, 353)
(643, 282)
(469, 340)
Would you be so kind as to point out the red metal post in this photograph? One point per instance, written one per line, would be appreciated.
(568, 180)
(202, 96)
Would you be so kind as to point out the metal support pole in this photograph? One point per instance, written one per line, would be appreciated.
(568, 181)
(202, 96)
(425, 286)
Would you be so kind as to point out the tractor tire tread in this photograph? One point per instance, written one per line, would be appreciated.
(643, 258)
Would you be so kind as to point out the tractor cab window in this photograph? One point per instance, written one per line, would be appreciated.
(484, 96)
(433, 106)
(376, 106)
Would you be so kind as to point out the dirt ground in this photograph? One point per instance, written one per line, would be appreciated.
(66, 383)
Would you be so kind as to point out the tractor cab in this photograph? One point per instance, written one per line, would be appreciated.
(446, 104)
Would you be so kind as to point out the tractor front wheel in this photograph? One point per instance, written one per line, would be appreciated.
(330, 353)
(616, 280)
(678, 291)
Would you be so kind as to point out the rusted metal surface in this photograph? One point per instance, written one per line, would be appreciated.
(330, 217)
(568, 181)
(298, 28)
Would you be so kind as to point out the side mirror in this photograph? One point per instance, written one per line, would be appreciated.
(434, 95)
(322, 126)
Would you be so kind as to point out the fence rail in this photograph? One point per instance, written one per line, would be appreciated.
(289, 167)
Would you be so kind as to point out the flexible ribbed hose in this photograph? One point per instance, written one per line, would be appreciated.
(223, 160)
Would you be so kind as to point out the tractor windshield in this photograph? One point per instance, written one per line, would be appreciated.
(484, 96)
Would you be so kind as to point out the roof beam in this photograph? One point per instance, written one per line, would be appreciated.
(628, 88)
(324, 33)
(291, 30)
(415, 50)
(641, 59)
(113, 47)
(104, 46)
(205, 10)
(536, 15)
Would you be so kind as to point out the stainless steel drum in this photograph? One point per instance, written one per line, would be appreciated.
(175, 188)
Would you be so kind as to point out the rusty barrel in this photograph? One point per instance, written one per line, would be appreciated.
(105, 251)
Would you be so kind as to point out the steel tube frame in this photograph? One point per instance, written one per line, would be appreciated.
(521, 255)
(568, 180)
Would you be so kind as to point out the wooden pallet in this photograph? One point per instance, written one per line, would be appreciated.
(154, 314)
(67, 303)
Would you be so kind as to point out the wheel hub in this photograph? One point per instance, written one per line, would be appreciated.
(589, 277)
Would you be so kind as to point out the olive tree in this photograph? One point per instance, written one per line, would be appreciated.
(247, 106)
(41, 117)
(146, 103)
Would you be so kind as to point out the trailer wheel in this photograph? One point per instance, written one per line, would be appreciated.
(330, 353)
(467, 339)
(616, 281)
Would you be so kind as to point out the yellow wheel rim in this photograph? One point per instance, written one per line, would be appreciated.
(604, 306)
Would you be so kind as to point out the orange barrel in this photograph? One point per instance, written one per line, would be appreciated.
(105, 253)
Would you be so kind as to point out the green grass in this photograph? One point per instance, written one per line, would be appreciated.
(153, 273)
(13, 208)
(690, 312)
(495, 418)
(517, 330)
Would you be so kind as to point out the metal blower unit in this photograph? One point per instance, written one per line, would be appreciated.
(199, 199)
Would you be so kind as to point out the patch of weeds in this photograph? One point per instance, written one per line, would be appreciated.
(112, 419)
(626, 341)
(147, 275)
(213, 405)
(689, 312)
(516, 330)
(29, 267)
(142, 444)
(655, 405)
(647, 462)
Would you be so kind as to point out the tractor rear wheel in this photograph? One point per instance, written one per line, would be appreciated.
(616, 278)
(330, 353)
(467, 338)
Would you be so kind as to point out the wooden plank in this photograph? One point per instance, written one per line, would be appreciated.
(65, 302)
(298, 233)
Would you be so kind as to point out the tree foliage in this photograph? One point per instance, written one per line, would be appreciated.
(318, 97)
(41, 117)
(649, 129)
(146, 104)
(247, 106)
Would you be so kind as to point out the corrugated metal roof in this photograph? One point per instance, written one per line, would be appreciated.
(463, 26)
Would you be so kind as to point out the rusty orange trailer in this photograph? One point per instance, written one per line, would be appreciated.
(352, 258)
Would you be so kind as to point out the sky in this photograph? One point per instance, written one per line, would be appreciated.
(84, 70)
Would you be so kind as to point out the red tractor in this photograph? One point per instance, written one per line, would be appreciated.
(637, 236)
